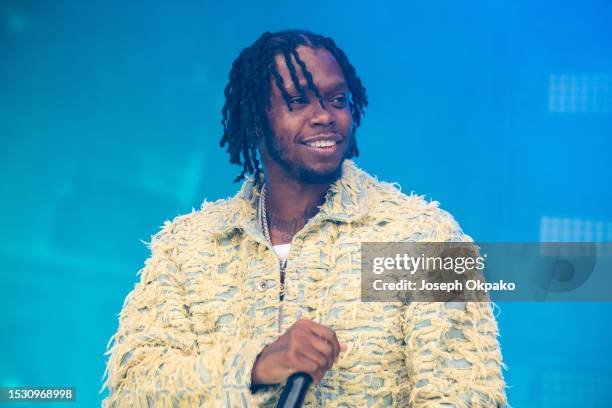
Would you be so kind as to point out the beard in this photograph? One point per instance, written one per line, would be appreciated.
(297, 168)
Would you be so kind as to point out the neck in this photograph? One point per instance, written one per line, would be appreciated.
(289, 205)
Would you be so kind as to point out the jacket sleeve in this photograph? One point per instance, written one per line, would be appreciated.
(452, 355)
(154, 358)
(452, 352)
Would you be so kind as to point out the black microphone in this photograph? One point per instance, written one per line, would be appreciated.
(295, 390)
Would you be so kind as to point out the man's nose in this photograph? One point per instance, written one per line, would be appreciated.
(321, 115)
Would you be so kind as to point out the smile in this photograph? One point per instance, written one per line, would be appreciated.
(323, 149)
(322, 144)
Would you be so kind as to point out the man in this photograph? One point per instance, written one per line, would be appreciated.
(243, 293)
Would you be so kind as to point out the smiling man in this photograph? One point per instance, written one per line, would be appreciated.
(243, 293)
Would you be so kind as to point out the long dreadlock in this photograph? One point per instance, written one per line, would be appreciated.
(247, 94)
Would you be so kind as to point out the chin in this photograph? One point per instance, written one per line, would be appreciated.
(320, 176)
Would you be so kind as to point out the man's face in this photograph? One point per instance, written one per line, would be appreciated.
(309, 143)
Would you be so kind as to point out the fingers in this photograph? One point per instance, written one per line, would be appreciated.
(307, 346)
(314, 364)
(302, 356)
(324, 349)
(315, 348)
(324, 333)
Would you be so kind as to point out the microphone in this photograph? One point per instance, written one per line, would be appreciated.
(295, 390)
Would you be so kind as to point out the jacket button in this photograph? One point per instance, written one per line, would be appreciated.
(263, 285)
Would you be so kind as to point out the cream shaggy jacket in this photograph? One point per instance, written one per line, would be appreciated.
(208, 302)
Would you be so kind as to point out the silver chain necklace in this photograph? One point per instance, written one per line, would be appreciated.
(262, 214)
(262, 220)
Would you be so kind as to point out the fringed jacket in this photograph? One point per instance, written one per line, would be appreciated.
(208, 302)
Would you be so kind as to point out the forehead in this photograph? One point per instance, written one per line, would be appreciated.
(319, 62)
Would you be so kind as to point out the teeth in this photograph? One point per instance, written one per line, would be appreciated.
(322, 143)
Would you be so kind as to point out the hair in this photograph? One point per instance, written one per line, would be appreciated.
(248, 92)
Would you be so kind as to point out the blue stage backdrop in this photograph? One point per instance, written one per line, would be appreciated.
(110, 123)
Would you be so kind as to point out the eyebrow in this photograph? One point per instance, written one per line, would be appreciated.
(335, 86)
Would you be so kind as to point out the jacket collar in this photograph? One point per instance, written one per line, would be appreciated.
(345, 202)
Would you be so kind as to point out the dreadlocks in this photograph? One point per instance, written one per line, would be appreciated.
(247, 94)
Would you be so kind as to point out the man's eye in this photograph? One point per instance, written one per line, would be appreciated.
(339, 100)
(299, 100)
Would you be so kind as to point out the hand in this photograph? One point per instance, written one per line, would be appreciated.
(306, 346)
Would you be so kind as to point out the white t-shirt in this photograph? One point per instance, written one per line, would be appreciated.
(282, 250)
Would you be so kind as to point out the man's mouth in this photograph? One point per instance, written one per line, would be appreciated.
(323, 144)
(324, 141)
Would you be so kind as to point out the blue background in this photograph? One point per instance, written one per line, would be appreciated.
(110, 122)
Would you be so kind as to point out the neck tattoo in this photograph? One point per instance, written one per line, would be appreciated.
(283, 228)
